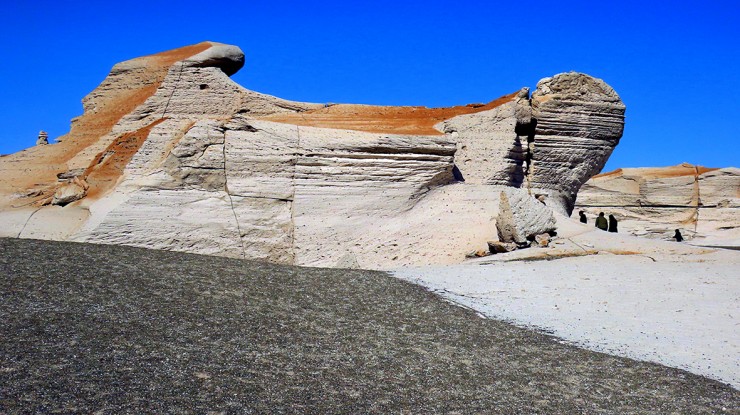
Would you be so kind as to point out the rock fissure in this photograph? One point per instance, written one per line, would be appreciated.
(244, 196)
(27, 220)
(231, 200)
(525, 129)
(174, 89)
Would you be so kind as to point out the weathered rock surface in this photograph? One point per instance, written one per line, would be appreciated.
(498, 247)
(43, 138)
(177, 156)
(542, 240)
(522, 217)
(703, 203)
(578, 122)
(69, 192)
(228, 58)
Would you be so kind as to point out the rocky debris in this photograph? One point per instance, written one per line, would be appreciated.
(43, 138)
(70, 174)
(521, 217)
(480, 253)
(170, 138)
(498, 247)
(542, 240)
(31, 193)
(653, 202)
(70, 192)
(579, 121)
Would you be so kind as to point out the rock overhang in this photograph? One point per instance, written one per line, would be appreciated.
(228, 58)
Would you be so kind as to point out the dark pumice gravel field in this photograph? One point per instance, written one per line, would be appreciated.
(110, 330)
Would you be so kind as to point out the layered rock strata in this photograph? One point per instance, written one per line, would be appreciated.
(172, 154)
(577, 122)
(704, 203)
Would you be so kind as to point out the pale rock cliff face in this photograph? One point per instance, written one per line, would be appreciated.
(175, 155)
(652, 202)
(489, 150)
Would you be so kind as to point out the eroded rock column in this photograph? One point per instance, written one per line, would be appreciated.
(579, 120)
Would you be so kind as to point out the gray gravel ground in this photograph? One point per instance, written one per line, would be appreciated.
(110, 330)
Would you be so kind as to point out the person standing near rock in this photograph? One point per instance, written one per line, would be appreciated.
(612, 224)
(601, 222)
(678, 237)
(582, 214)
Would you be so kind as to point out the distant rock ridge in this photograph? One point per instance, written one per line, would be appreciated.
(704, 203)
(170, 153)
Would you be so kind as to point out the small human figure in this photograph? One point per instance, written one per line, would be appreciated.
(601, 222)
(582, 214)
(612, 224)
(678, 236)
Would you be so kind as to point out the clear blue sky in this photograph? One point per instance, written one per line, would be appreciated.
(675, 64)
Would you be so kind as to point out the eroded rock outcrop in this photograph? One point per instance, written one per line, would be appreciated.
(175, 155)
(578, 122)
(43, 138)
(704, 203)
(522, 217)
(69, 192)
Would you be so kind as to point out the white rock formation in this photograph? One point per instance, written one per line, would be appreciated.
(652, 202)
(522, 217)
(578, 122)
(177, 156)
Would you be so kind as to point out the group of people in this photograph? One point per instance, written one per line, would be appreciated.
(601, 222)
(611, 225)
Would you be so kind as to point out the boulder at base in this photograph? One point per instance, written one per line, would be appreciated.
(521, 217)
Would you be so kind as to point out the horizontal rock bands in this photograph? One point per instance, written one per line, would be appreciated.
(565, 118)
(375, 157)
(448, 149)
(364, 178)
(551, 135)
(253, 196)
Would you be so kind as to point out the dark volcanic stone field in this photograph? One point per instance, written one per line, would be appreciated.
(110, 329)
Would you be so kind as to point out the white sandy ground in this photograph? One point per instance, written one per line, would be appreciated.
(673, 304)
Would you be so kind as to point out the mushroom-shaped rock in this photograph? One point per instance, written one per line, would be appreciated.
(228, 58)
(580, 120)
(43, 138)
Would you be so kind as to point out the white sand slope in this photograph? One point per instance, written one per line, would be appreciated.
(676, 305)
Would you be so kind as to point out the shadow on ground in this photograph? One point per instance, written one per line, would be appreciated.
(111, 329)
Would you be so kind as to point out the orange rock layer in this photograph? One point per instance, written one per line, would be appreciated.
(683, 169)
(384, 119)
(37, 167)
